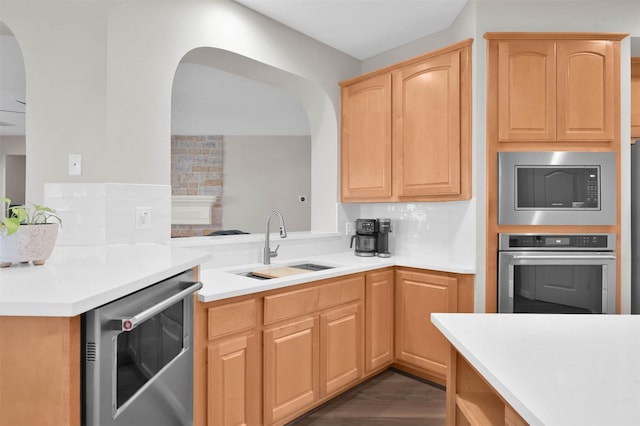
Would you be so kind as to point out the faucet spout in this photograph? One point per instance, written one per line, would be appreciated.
(267, 253)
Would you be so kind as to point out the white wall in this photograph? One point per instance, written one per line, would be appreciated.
(209, 101)
(9, 145)
(109, 70)
(265, 173)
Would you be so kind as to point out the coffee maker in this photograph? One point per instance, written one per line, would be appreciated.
(372, 237)
(365, 237)
(382, 241)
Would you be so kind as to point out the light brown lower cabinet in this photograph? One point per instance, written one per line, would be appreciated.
(419, 347)
(341, 345)
(311, 357)
(227, 363)
(379, 287)
(268, 358)
(291, 368)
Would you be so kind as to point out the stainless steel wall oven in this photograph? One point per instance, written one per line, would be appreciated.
(138, 357)
(553, 273)
(557, 188)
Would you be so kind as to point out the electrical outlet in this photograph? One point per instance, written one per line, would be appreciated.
(348, 228)
(143, 218)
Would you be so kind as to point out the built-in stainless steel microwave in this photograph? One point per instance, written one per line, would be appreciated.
(557, 188)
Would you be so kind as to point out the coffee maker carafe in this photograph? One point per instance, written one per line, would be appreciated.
(365, 237)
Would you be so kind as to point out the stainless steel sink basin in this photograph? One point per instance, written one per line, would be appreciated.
(252, 275)
(311, 266)
(305, 267)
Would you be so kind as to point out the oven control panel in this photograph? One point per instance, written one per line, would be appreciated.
(601, 242)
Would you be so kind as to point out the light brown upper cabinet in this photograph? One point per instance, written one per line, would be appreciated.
(635, 97)
(557, 89)
(406, 130)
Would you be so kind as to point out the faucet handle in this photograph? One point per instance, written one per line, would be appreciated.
(274, 253)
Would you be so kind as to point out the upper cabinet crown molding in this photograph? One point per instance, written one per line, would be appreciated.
(406, 130)
(554, 36)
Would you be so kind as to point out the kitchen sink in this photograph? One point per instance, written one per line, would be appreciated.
(284, 270)
(252, 275)
(311, 266)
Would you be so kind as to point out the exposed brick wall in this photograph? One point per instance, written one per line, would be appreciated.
(197, 167)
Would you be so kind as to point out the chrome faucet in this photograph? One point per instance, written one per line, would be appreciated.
(268, 254)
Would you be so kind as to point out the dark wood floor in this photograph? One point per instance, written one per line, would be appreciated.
(389, 399)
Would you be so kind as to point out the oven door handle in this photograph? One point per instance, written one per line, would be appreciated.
(129, 323)
(565, 256)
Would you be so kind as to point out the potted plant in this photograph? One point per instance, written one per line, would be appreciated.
(27, 234)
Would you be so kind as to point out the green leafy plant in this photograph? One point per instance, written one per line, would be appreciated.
(17, 216)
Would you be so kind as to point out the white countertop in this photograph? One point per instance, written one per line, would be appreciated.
(77, 279)
(223, 283)
(555, 369)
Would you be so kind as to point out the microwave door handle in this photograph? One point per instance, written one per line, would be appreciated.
(129, 323)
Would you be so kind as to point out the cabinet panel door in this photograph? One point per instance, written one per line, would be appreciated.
(526, 91)
(341, 343)
(291, 367)
(635, 97)
(233, 393)
(379, 320)
(365, 142)
(427, 127)
(586, 84)
(418, 341)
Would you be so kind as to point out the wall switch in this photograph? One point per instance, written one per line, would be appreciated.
(143, 218)
(75, 164)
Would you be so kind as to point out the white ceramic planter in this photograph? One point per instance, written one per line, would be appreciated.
(30, 243)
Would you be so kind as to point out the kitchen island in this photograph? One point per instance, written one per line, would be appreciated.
(550, 369)
(40, 326)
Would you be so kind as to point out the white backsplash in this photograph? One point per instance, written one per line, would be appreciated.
(105, 213)
(442, 230)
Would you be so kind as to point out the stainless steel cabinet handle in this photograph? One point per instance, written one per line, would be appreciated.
(128, 324)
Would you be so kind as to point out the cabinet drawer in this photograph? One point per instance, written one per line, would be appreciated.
(231, 318)
(300, 302)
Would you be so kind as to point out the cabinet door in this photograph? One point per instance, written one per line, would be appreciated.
(291, 367)
(379, 320)
(585, 90)
(233, 385)
(426, 109)
(635, 97)
(341, 346)
(526, 91)
(418, 341)
(365, 142)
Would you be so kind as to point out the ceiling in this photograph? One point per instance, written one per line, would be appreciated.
(361, 28)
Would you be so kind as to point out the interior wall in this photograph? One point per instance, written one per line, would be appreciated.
(15, 182)
(110, 67)
(9, 145)
(271, 172)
